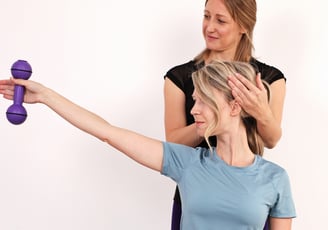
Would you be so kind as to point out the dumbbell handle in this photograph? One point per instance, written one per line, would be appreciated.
(19, 92)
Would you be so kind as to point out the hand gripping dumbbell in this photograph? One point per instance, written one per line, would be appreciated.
(16, 113)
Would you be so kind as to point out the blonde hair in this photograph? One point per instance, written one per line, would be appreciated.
(214, 76)
(243, 12)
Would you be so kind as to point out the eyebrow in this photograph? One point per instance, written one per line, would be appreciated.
(217, 15)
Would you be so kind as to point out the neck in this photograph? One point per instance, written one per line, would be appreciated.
(220, 55)
(234, 149)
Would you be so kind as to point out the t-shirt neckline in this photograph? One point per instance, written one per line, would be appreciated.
(250, 167)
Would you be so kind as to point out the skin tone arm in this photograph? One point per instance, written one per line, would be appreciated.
(176, 129)
(146, 151)
(280, 223)
(254, 100)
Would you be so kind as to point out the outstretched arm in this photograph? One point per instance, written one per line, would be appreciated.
(144, 150)
(253, 99)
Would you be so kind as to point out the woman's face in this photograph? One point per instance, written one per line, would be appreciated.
(204, 115)
(221, 33)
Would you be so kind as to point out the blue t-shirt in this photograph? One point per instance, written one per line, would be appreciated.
(216, 196)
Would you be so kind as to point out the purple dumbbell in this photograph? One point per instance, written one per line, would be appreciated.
(16, 113)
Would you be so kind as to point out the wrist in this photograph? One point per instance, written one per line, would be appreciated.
(45, 95)
(264, 117)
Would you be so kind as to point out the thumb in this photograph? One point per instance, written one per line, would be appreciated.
(18, 81)
(259, 82)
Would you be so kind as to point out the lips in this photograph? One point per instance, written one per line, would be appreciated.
(199, 123)
(210, 38)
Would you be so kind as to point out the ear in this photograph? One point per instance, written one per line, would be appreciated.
(235, 108)
(243, 30)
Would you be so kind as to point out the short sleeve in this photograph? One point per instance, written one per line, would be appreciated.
(284, 206)
(268, 73)
(176, 159)
(181, 75)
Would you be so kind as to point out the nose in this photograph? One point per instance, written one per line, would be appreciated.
(210, 26)
(194, 111)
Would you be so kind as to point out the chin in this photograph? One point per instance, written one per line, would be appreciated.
(213, 47)
(210, 45)
(200, 133)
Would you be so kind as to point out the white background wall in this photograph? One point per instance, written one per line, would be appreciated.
(110, 57)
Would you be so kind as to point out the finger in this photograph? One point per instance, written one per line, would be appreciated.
(236, 85)
(6, 87)
(6, 82)
(19, 81)
(240, 89)
(259, 82)
(237, 95)
(231, 82)
(7, 92)
(8, 97)
(246, 83)
(233, 86)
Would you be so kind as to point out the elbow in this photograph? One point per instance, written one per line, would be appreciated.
(174, 140)
(171, 137)
(105, 140)
(273, 140)
(270, 145)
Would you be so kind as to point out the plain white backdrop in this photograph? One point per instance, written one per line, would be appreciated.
(110, 57)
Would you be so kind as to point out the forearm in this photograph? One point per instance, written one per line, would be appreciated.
(269, 118)
(186, 135)
(74, 114)
(269, 129)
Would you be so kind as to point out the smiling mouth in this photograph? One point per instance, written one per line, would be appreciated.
(211, 37)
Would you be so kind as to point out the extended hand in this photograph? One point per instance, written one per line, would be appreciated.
(32, 89)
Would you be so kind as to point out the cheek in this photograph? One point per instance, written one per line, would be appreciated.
(209, 114)
(204, 28)
(225, 33)
(234, 33)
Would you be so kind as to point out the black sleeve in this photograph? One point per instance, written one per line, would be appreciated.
(181, 74)
(268, 73)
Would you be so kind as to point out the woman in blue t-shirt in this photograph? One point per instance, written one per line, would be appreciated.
(229, 186)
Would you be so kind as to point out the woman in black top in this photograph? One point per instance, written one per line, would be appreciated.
(228, 31)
